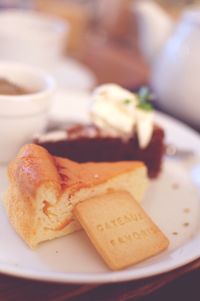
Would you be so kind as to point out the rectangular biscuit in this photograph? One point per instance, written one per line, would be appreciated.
(120, 229)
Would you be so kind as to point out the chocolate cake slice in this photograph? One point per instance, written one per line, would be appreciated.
(121, 128)
(88, 143)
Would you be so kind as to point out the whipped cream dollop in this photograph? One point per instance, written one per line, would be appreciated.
(116, 111)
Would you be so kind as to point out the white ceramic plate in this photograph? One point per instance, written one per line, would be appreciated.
(70, 105)
(172, 201)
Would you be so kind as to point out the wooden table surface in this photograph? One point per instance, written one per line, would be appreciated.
(182, 284)
(129, 69)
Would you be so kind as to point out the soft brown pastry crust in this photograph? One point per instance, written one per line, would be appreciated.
(32, 167)
(43, 190)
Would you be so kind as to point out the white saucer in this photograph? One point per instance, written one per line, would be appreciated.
(71, 74)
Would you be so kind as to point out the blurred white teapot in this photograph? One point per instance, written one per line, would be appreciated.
(173, 50)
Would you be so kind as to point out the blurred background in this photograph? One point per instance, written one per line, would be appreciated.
(102, 33)
(101, 43)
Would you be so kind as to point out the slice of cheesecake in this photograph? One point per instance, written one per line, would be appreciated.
(43, 190)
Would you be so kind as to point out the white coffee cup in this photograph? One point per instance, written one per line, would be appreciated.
(32, 37)
(23, 116)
